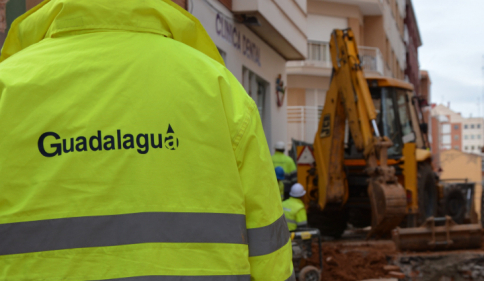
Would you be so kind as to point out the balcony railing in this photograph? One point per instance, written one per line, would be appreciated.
(371, 59)
(320, 56)
(302, 122)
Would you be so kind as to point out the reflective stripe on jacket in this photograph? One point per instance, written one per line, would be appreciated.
(130, 152)
(286, 162)
(295, 213)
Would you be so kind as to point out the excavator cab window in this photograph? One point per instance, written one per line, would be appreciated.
(404, 115)
(393, 118)
(389, 116)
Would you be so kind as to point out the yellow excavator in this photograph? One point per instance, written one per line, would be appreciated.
(371, 166)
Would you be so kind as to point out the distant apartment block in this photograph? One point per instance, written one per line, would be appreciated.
(456, 132)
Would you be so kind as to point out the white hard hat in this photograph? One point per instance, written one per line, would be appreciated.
(280, 145)
(297, 190)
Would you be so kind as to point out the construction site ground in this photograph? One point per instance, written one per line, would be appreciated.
(352, 258)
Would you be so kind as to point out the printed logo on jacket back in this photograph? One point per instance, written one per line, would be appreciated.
(100, 142)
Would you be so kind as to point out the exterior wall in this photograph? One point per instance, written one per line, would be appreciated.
(393, 23)
(334, 9)
(374, 34)
(3, 20)
(378, 27)
(473, 135)
(471, 130)
(320, 27)
(267, 64)
(355, 25)
(296, 97)
(307, 81)
(435, 142)
(182, 3)
(283, 24)
(456, 136)
(227, 3)
(32, 3)
(460, 165)
(425, 84)
(414, 42)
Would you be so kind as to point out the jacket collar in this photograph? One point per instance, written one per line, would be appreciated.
(57, 18)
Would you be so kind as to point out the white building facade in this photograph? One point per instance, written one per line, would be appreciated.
(256, 38)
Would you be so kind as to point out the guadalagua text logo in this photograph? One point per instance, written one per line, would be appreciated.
(109, 142)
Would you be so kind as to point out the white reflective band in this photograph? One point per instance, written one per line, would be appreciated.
(291, 221)
(115, 230)
(187, 278)
(302, 223)
(268, 239)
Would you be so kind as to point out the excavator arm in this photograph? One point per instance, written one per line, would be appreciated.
(349, 103)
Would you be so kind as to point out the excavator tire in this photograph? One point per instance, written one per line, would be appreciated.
(427, 192)
(455, 205)
(331, 221)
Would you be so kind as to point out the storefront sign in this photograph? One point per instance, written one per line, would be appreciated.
(229, 32)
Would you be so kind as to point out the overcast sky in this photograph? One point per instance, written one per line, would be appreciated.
(452, 32)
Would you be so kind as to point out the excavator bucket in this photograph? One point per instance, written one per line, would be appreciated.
(389, 206)
(449, 236)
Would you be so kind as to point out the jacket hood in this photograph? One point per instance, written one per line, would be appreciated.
(57, 18)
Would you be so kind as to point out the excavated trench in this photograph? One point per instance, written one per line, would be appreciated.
(357, 259)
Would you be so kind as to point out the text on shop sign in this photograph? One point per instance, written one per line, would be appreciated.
(229, 32)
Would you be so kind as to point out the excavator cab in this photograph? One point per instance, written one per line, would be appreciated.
(398, 119)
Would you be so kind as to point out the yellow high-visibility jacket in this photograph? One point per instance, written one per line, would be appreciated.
(295, 213)
(284, 161)
(129, 152)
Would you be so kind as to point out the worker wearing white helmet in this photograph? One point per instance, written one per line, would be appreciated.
(294, 209)
(281, 159)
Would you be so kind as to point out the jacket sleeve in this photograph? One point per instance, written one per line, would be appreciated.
(301, 218)
(270, 249)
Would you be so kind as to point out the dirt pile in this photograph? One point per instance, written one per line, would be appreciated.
(346, 263)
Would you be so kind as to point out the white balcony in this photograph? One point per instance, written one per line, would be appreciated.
(371, 60)
(319, 61)
(281, 24)
(302, 123)
(367, 7)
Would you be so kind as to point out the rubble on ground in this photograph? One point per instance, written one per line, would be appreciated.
(368, 260)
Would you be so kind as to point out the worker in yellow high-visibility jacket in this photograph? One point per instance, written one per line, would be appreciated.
(129, 152)
(294, 209)
(279, 159)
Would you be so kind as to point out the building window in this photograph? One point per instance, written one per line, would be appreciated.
(456, 147)
(465, 126)
(478, 126)
(456, 127)
(465, 137)
(223, 54)
(466, 147)
(472, 126)
(257, 89)
(472, 148)
(478, 137)
(456, 137)
(472, 137)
